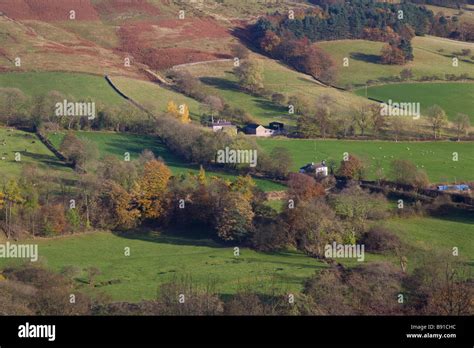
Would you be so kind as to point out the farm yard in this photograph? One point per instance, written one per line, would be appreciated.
(433, 157)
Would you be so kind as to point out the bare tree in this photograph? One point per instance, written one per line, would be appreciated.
(462, 124)
(437, 118)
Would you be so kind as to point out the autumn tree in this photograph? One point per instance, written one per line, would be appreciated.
(11, 198)
(406, 74)
(439, 286)
(438, 119)
(213, 104)
(233, 217)
(319, 64)
(184, 114)
(406, 48)
(405, 172)
(312, 225)
(269, 42)
(250, 75)
(244, 185)
(307, 126)
(391, 54)
(53, 219)
(150, 189)
(12, 104)
(240, 51)
(116, 207)
(351, 168)
(172, 109)
(377, 120)
(357, 206)
(80, 152)
(302, 187)
(122, 172)
(280, 162)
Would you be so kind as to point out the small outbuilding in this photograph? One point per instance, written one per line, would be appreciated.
(223, 126)
(277, 126)
(317, 169)
(258, 130)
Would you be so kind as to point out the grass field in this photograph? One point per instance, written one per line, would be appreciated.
(364, 59)
(154, 97)
(434, 157)
(117, 144)
(428, 234)
(79, 86)
(155, 259)
(31, 150)
(453, 97)
(219, 79)
(218, 76)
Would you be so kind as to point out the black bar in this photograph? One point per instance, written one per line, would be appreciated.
(349, 330)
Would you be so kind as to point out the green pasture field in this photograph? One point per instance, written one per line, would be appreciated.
(159, 258)
(433, 56)
(453, 97)
(32, 152)
(154, 97)
(75, 85)
(436, 158)
(438, 233)
(117, 144)
(278, 78)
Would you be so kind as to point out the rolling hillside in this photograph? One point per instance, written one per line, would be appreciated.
(220, 79)
(32, 153)
(433, 56)
(152, 96)
(78, 86)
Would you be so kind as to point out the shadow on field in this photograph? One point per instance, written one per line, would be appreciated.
(136, 146)
(269, 106)
(194, 237)
(455, 215)
(221, 83)
(48, 160)
(368, 58)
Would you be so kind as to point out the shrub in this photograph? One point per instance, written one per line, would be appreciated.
(269, 236)
(380, 240)
(279, 98)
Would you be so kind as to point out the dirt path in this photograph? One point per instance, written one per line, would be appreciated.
(180, 66)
